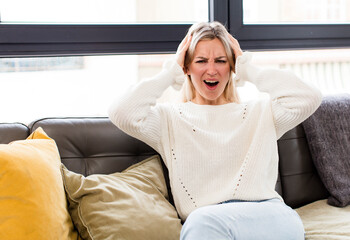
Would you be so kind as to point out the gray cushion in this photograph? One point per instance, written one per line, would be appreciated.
(328, 134)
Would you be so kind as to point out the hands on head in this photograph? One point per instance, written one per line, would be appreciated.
(185, 43)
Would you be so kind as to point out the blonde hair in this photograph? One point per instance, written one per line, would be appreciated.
(209, 31)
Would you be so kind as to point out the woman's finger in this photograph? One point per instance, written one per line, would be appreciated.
(182, 49)
(185, 42)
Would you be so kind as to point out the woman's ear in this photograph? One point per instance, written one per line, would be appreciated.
(187, 71)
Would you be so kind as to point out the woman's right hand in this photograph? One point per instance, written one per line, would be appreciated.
(181, 51)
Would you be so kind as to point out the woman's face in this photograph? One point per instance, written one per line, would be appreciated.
(210, 72)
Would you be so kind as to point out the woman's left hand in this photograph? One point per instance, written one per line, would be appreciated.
(235, 46)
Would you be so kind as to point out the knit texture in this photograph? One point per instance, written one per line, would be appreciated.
(329, 146)
(223, 152)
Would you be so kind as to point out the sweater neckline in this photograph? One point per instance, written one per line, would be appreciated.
(216, 107)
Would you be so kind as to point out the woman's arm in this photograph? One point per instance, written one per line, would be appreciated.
(136, 112)
(292, 100)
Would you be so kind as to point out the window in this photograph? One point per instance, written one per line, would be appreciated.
(296, 12)
(272, 24)
(327, 69)
(298, 25)
(41, 28)
(104, 11)
(55, 64)
(159, 26)
(40, 87)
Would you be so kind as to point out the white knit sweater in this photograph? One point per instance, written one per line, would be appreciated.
(222, 152)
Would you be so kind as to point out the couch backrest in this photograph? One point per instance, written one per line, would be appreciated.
(299, 179)
(95, 145)
(13, 131)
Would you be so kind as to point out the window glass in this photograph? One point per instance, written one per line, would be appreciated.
(296, 11)
(35, 88)
(104, 11)
(328, 70)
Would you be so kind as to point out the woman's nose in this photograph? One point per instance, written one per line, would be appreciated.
(211, 68)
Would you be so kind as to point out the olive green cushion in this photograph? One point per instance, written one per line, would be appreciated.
(128, 205)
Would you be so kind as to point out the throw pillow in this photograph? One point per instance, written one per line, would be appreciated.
(33, 204)
(324, 222)
(328, 135)
(128, 205)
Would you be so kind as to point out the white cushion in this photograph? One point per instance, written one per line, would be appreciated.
(324, 222)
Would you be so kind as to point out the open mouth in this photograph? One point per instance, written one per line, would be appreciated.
(211, 83)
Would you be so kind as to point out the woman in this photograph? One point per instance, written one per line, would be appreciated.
(221, 154)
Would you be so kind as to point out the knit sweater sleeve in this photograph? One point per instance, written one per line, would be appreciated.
(292, 100)
(137, 113)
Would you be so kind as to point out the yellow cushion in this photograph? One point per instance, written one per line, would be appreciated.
(325, 222)
(131, 205)
(32, 198)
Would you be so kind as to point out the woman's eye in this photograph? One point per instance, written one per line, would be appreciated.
(200, 61)
(221, 61)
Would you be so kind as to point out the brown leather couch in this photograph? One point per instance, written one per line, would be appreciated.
(95, 145)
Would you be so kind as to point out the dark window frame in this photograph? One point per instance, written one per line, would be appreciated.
(29, 40)
(20, 40)
(285, 36)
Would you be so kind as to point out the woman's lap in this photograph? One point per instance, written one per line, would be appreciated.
(265, 220)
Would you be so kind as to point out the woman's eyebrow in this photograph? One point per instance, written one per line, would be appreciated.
(221, 57)
(201, 57)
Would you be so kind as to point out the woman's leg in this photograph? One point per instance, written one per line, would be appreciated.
(263, 220)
